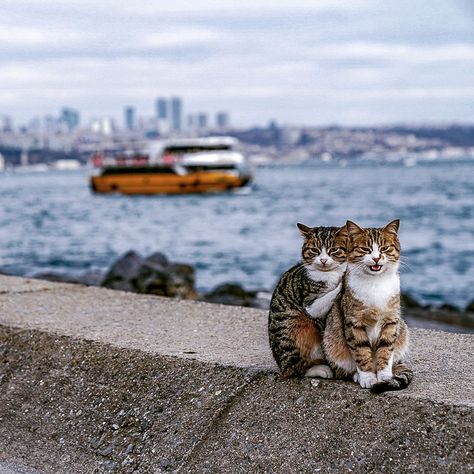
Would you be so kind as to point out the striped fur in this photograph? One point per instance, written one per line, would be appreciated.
(301, 300)
(365, 336)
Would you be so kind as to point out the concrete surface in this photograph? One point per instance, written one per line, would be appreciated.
(95, 380)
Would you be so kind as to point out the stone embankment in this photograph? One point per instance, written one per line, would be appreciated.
(94, 380)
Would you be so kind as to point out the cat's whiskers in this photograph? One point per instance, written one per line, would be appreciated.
(404, 264)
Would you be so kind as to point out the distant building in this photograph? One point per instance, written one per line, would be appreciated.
(103, 126)
(176, 113)
(70, 118)
(6, 123)
(222, 120)
(190, 121)
(51, 125)
(202, 120)
(130, 118)
(161, 108)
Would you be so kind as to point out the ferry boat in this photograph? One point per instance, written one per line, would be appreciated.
(198, 165)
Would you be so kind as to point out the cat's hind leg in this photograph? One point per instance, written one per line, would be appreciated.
(307, 357)
(318, 366)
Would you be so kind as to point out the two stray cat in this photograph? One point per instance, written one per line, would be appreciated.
(337, 313)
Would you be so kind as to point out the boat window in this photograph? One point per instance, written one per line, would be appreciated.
(137, 170)
(209, 167)
(178, 150)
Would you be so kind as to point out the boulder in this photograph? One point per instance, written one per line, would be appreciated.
(159, 277)
(470, 307)
(448, 307)
(408, 301)
(124, 272)
(231, 294)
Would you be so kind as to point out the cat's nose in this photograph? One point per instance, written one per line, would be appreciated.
(324, 260)
(376, 259)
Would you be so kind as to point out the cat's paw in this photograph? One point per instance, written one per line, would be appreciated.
(322, 371)
(383, 377)
(366, 379)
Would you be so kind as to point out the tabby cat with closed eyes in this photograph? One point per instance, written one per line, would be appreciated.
(301, 300)
(365, 337)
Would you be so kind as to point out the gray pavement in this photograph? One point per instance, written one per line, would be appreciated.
(94, 380)
(15, 468)
(229, 335)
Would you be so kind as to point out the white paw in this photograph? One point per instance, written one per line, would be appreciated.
(321, 371)
(355, 377)
(367, 379)
(384, 376)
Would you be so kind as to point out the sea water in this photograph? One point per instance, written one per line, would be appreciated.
(53, 222)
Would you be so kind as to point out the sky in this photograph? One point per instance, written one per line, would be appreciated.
(299, 62)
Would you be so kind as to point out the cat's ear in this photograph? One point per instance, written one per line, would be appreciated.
(342, 237)
(304, 229)
(392, 227)
(342, 232)
(353, 229)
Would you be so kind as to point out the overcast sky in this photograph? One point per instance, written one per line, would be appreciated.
(297, 61)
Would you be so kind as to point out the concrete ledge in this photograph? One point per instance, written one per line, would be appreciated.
(94, 380)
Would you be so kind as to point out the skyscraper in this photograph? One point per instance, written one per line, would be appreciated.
(70, 118)
(202, 120)
(176, 113)
(130, 118)
(222, 120)
(161, 108)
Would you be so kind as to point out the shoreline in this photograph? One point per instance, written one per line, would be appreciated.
(156, 275)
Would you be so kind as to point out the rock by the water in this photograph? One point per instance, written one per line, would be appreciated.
(159, 277)
(448, 307)
(470, 307)
(158, 258)
(231, 294)
(124, 272)
(409, 302)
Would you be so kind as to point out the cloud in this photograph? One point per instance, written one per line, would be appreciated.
(13, 36)
(282, 59)
(182, 36)
(367, 51)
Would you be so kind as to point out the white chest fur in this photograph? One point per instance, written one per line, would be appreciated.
(332, 278)
(374, 290)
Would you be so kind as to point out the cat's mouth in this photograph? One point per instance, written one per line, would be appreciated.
(375, 268)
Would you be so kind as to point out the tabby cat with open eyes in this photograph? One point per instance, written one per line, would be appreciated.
(365, 337)
(301, 300)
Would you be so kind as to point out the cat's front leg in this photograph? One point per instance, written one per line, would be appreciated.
(359, 344)
(320, 306)
(384, 351)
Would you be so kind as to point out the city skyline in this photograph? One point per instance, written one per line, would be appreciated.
(362, 62)
(169, 116)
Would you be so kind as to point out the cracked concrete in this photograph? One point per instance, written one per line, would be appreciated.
(94, 380)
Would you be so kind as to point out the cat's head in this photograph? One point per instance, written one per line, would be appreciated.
(324, 248)
(373, 250)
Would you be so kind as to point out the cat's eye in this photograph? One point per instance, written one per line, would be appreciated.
(384, 248)
(366, 249)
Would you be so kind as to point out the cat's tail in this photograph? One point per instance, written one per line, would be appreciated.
(402, 376)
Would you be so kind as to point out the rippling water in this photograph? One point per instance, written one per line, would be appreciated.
(51, 222)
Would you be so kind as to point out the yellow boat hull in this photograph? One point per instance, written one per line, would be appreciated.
(149, 183)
